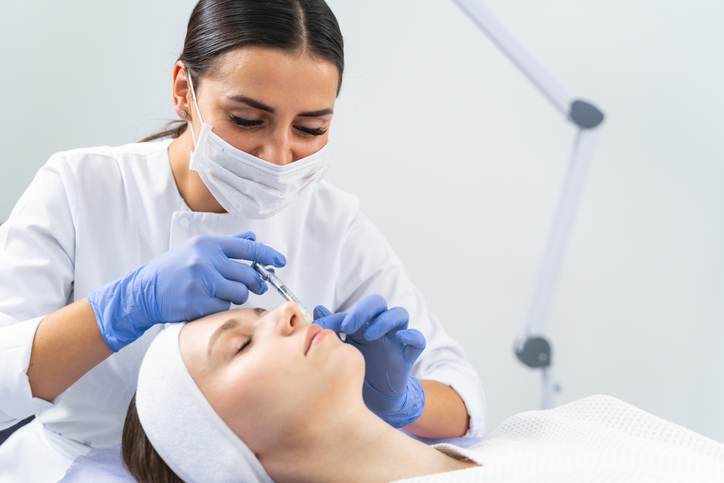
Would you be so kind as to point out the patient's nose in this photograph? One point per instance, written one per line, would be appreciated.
(290, 319)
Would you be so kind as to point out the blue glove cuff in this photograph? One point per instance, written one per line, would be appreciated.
(412, 406)
(101, 302)
(115, 313)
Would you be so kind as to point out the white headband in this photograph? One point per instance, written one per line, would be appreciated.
(181, 424)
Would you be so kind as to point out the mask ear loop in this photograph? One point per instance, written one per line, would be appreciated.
(196, 105)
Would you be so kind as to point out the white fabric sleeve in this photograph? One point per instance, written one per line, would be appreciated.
(18, 401)
(37, 249)
(368, 265)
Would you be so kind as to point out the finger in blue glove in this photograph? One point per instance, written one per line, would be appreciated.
(413, 343)
(362, 314)
(391, 320)
(321, 311)
(328, 320)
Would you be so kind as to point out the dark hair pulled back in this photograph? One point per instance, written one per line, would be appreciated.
(219, 26)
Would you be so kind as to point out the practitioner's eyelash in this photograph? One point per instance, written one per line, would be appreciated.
(245, 122)
(255, 123)
(312, 132)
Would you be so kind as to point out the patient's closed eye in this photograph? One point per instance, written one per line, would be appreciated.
(245, 344)
(230, 327)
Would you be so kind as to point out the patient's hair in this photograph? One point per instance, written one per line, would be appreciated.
(141, 459)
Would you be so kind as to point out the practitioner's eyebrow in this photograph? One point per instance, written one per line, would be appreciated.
(263, 107)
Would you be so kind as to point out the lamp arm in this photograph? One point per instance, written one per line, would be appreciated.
(582, 113)
(532, 348)
(484, 18)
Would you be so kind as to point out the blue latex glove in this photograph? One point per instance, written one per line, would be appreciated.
(196, 279)
(390, 349)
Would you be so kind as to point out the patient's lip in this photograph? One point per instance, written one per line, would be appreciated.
(313, 330)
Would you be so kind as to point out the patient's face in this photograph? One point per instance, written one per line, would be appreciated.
(270, 374)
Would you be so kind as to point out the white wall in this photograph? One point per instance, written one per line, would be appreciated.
(459, 160)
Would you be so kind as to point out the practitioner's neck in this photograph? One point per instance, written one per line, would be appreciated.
(355, 445)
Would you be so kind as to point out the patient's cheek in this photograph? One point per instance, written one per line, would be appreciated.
(227, 401)
(247, 386)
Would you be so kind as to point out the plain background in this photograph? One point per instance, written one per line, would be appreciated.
(459, 160)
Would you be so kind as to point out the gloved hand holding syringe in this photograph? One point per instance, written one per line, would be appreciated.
(267, 273)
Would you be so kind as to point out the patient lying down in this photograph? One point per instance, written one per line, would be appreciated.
(289, 390)
(249, 395)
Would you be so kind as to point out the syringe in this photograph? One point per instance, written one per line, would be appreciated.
(267, 273)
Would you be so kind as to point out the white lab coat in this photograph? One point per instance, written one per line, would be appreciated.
(90, 216)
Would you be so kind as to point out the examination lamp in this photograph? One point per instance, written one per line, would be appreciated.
(532, 348)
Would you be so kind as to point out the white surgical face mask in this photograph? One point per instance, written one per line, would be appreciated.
(244, 184)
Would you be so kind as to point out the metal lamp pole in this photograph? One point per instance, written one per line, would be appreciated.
(532, 348)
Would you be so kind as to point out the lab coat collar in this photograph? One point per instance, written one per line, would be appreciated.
(186, 224)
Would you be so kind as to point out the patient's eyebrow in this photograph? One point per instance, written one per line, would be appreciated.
(228, 325)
